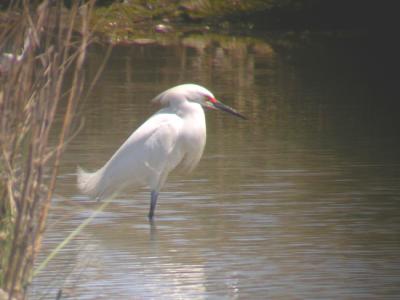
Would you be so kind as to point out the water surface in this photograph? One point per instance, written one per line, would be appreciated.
(300, 202)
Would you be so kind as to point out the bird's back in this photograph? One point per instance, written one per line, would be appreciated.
(149, 151)
(145, 158)
(175, 134)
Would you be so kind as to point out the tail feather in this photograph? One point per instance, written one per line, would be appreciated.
(90, 183)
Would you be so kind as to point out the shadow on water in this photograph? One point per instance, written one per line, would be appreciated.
(301, 201)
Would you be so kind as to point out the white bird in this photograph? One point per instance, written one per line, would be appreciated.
(175, 135)
(9, 59)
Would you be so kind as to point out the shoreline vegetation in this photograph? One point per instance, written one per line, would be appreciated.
(160, 21)
(132, 21)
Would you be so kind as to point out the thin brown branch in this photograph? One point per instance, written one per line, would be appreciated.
(30, 97)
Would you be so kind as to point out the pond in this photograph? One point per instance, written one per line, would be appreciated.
(301, 201)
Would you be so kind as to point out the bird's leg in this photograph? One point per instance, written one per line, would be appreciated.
(154, 196)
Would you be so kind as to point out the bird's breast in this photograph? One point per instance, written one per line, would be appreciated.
(193, 142)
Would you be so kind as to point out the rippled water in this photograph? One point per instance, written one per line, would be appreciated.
(300, 202)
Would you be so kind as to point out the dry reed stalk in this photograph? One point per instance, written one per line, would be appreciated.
(33, 85)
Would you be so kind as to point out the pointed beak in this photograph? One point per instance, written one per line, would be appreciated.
(214, 103)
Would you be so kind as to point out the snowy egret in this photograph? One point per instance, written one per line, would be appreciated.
(175, 135)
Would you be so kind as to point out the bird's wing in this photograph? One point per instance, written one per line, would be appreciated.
(149, 152)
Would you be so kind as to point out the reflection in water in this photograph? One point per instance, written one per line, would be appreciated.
(300, 202)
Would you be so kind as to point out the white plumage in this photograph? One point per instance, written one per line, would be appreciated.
(173, 136)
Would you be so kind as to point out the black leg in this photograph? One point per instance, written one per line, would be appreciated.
(154, 196)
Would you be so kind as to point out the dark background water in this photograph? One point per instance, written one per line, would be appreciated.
(300, 202)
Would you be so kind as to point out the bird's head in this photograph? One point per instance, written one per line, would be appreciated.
(194, 93)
